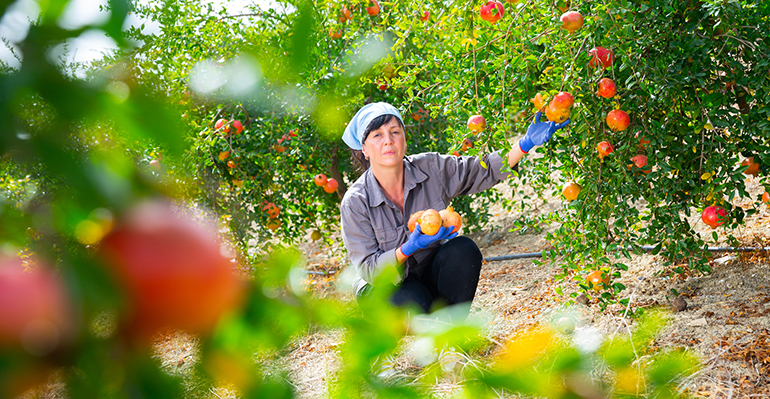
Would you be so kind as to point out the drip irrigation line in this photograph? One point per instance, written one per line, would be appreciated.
(648, 248)
(529, 255)
(319, 273)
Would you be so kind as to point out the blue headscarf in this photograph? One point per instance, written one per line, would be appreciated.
(354, 132)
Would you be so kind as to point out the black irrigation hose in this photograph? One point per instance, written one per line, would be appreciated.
(528, 255)
(648, 248)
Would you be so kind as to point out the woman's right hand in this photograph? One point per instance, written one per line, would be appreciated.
(418, 240)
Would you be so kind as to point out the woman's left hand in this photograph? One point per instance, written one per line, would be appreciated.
(538, 132)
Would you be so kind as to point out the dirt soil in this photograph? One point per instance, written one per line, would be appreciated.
(726, 322)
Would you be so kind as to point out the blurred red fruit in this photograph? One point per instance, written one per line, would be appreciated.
(172, 272)
(223, 126)
(640, 161)
(374, 9)
(36, 314)
(238, 127)
(752, 168)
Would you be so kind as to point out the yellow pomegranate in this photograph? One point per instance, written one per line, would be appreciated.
(571, 191)
(430, 222)
(451, 219)
(556, 114)
(413, 220)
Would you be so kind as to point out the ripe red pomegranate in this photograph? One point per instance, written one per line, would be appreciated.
(477, 123)
(331, 186)
(572, 21)
(320, 180)
(618, 120)
(714, 216)
(271, 209)
(413, 220)
(605, 148)
(640, 161)
(374, 9)
(492, 11)
(222, 124)
(752, 168)
(556, 114)
(601, 56)
(607, 88)
(563, 100)
(238, 126)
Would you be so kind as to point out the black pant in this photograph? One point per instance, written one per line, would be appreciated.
(451, 278)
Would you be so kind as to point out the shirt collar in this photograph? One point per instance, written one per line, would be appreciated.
(412, 176)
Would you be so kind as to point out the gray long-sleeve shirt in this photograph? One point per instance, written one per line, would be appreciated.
(373, 227)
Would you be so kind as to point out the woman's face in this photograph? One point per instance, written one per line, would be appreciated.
(386, 146)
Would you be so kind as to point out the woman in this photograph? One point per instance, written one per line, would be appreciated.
(438, 269)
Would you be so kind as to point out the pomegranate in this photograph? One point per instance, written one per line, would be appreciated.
(451, 219)
(172, 272)
(714, 216)
(223, 125)
(331, 186)
(238, 127)
(598, 279)
(571, 191)
(601, 56)
(572, 21)
(374, 9)
(563, 100)
(605, 148)
(752, 168)
(556, 114)
(618, 120)
(477, 123)
(492, 11)
(35, 311)
(271, 209)
(538, 101)
(430, 222)
(640, 161)
(413, 220)
(607, 88)
(320, 180)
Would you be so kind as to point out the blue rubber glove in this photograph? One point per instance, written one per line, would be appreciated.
(538, 133)
(417, 240)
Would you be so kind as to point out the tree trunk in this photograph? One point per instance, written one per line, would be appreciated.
(335, 172)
